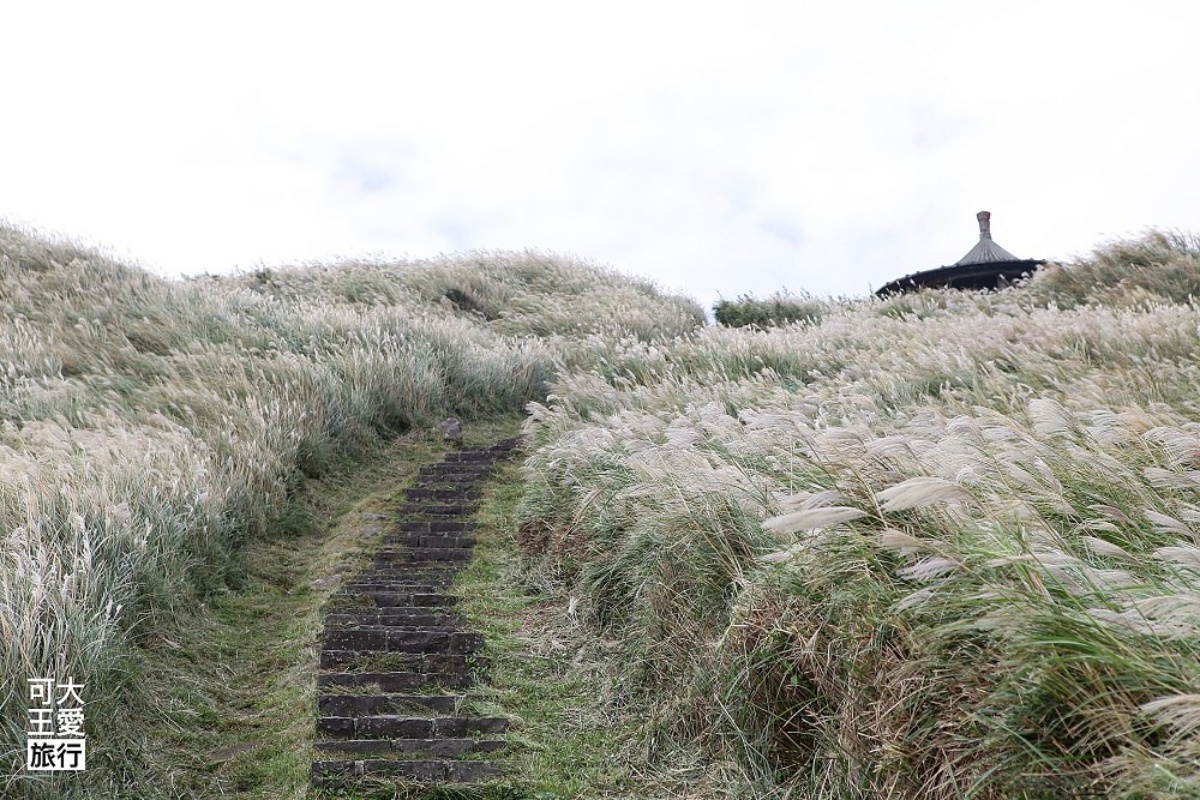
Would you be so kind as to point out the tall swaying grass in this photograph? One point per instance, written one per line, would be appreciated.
(148, 426)
(520, 294)
(1163, 264)
(939, 545)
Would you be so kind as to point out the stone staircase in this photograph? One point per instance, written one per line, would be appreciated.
(396, 661)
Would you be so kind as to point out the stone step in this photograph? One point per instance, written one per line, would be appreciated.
(400, 726)
(390, 587)
(366, 596)
(473, 468)
(447, 479)
(439, 510)
(392, 600)
(334, 774)
(394, 661)
(398, 617)
(422, 555)
(402, 569)
(366, 705)
(419, 539)
(465, 458)
(436, 748)
(395, 571)
(399, 640)
(402, 660)
(468, 457)
(334, 631)
(393, 681)
(359, 594)
(436, 526)
(453, 475)
(431, 572)
(442, 495)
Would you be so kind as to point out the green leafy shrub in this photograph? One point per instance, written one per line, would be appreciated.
(780, 308)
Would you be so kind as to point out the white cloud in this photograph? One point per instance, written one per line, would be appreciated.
(822, 145)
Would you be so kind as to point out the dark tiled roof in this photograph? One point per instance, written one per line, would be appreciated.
(986, 266)
(985, 251)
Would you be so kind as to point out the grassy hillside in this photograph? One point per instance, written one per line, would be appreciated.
(942, 545)
(148, 427)
(939, 545)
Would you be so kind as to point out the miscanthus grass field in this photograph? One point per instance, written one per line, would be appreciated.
(148, 428)
(939, 545)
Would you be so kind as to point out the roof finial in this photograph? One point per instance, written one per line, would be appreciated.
(985, 224)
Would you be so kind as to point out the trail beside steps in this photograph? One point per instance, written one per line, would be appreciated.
(396, 661)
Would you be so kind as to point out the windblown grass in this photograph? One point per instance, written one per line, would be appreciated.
(148, 427)
(1160, 264)
(939, 545)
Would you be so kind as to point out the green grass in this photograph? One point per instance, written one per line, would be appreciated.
(566, 734)
(941, 545)
(573, 732)
(150, 429)
(229, 686)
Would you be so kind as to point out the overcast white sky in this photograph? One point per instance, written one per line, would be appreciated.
(715, 148)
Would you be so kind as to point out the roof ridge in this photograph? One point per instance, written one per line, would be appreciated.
(985, 250)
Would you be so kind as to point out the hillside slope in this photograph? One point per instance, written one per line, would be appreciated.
(942, 545)
(149, 426)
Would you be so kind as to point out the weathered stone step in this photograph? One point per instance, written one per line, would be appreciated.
(442, 495)
(448, 479)
(399, 640)
(436, 748)
(422, 555)
(400, 617)
(334, 632)
(468, 456)
(431, 572)
(359, 593)
(420, 539)
(399, 726)
(394, 586)
(440, 510)
(393, 576)
(393, 681)
(463, 458)
(403, 660)
(396, 569)
(473, 468)
(455, 480)
(366, 705)
(436, 526)
(333, 774)
(393, 599)
(426, 571)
